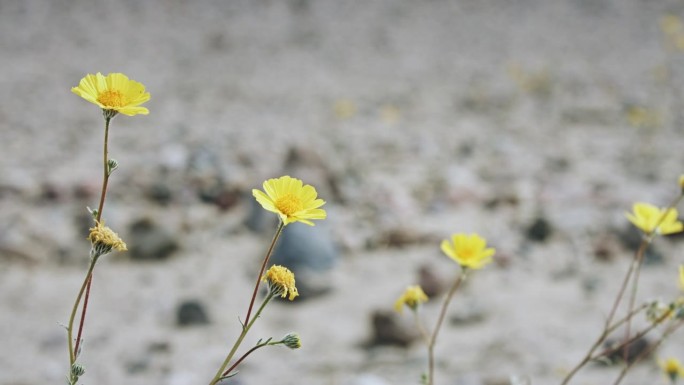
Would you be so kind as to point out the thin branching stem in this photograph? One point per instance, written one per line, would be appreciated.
(646, 352)
(640, 257)
(222, 372)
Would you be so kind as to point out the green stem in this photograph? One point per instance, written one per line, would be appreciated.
(442, 314)
(221, 373)
(70, 326)
(85, 287)
(105, 177)
(263, 267)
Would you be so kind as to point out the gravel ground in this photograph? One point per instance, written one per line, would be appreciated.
(414, 120)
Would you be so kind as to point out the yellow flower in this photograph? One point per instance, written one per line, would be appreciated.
(113, 93)
(468, 250)
(281, 281)
(672, 368)
(292, 201)
(103, 240)
(650, 219)
(412, 297)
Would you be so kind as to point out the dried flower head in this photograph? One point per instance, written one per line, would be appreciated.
(292, 341)
(113, 93)
(291, 200)
(468, 250)
(652, 220)
(103, 240)
(412, 297)
(672, 369)
(281, 281)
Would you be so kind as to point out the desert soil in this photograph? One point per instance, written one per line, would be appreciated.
(414, 120)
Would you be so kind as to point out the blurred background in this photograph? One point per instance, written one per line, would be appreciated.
(536, 124)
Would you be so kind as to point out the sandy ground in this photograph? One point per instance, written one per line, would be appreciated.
(412, 118)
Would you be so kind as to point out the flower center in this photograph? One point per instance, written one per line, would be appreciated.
(289, 204)
(467, 253)
(111, 98)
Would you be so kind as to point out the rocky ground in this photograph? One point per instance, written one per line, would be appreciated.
(536, 124)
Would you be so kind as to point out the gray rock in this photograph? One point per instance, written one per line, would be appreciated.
(303, 247)
(148, 241)
(191, 313)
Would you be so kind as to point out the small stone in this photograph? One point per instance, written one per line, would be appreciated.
(539, 230)
(148, 241)
(303, 247)
(614, 353)
(191, 313)
(432, 284)
(387, 329)
(160, 193)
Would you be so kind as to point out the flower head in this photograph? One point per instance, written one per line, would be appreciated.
(291, 200)
(103, 240)
(113, 93)
(650, 219)
(468, 250)
(292, 341)
(412, 297)
(281, 281)
(672, 369)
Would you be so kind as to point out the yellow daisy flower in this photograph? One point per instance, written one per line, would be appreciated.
(113, 93)
(281, 281)
(103, 240)
(649, 219)
(468, 250)
(412, 297)
(672, 368)
(291, 200)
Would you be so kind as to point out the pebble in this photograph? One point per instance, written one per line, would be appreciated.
(148, 241)
(303, 247)
(191, 313)
(387, 329)
(539, 230)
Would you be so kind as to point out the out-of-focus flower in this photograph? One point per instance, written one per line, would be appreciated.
(468, 250)
(650, 219)
(113, 93)
(291, 200)
(672, 369)
(281, 281)
(412, 297)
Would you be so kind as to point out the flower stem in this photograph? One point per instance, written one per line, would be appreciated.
(669, 330)
(87, 283)
(640, 258)
(442, 314)
(70, 326)
(222, 372)
(281, 225)
(105, 177)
